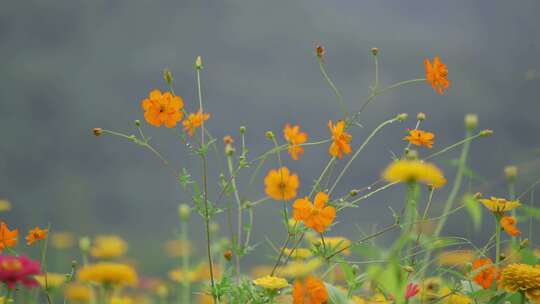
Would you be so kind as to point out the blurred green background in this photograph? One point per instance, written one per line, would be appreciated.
(69, 66)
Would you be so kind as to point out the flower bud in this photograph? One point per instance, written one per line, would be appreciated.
(167, 76)
(375, 51)
(198, 63)
(85, 243)
(137, 123)
(353, 192)
(471, 121)
(421, 116)
(228, 140)
(227, 254)
(229, 150)
(97, 131)
(408, 269)
(242, 129)
(486, 133)
(184, 211)
(320, 51)
(402, 116)
(510, 172)
(411, 154)
(478, 195)
(269, 134)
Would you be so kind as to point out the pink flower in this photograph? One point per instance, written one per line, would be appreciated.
(20, 269)
(412, 290)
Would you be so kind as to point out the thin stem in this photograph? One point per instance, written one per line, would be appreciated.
(333, 86)
(497, 239)
(205, 186)
(186, 284)
(239, 215)
(323, 173)
(364, 144)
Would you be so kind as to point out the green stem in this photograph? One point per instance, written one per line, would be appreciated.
(238, 237)
(186, 284)
(497, 239)
(333, 86)
(362, 146)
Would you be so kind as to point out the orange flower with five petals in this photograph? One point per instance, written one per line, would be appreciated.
(36, 235)
(280, 184)
(309, 291)
(436, 74)
(194, 121)
(420, 138)
(8, 238)
(295, 138)
(316, 216)
(162, 108)
(340, 139)
(508, 224)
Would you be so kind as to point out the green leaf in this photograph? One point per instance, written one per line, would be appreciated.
(531, 212)
(474, 209)
(336, 296)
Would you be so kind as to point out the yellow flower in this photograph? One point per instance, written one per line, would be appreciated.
(180, 276)
(499, 205)
(455, 257)
(54, 280)
(108, 246)
(121, 300)
(177, 248)
(334, 243)
(340, 139)
(271, 282)
(108, 273)
(295, 269)
(453, 298)
(62, 240)
(420, 138)
(430, 289)
(194, 121)
(78, 293)
(5, 205)
(403, 171)
(281, 184)
(299, 253)
(522, 278)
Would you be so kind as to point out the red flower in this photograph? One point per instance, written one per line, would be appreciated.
(20, 269)
(412, 290)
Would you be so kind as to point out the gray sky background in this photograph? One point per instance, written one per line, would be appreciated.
(69, 66)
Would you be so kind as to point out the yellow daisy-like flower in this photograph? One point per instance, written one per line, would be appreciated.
(403, 171)
(295, 269)
(299, 253)
(108, 247)
(455, 258)
(271, 282)
(522, 278)
(78, 293)
(108, 273)
(53, 280)
(499, 205)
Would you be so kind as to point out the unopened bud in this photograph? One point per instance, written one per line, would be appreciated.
(411, 154)
(355, 269)
(198, 63)
(486, 133)
(133, 138)
(184, 211)
(269, 134)
(320, 51)
(73, 265)
(471, 121)
(402, 116)
(353, 192)
(137, 123)
(227, 254)
(408, 269)
(375, 51)
(421, 116)
(242, 129)
(510, 172)
(167, 76)
(228, 140)
(478, 195)
(97, 131)
(229, 150)
(84, 244)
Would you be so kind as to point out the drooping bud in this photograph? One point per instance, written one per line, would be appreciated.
(97, 131)
(486, 133)
(402, 116)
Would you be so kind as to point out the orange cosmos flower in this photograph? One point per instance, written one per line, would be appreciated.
(436, 73)
(340, 138)
(310, 291)
(420, 138)
(162, 109)
(8, 238)
(280, 184)
(35, 235)
(484, 272)
(295, 138)
(508, 224)
(194, 121)
(316, 216)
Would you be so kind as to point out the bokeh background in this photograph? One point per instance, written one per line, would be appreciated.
(70, 66)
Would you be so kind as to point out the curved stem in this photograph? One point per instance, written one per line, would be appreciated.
(333, 86)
